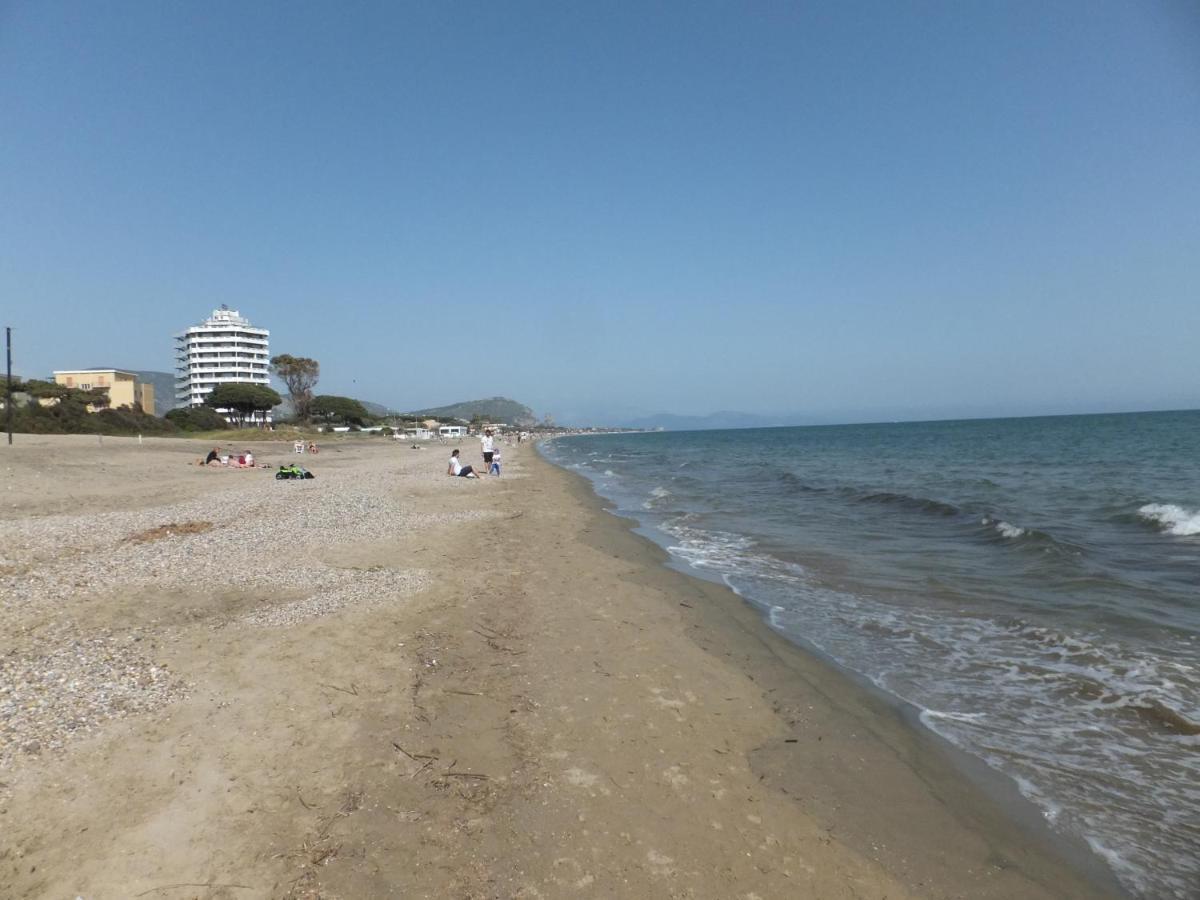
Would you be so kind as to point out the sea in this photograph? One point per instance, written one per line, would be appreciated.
(1029, 588)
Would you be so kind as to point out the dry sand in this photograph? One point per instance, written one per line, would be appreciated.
(389, 683)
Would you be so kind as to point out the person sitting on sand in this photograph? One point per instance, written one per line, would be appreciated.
(249, 460)
(214, 455)
(457, 468)
(312, 447)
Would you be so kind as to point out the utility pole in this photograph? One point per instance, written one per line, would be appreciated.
(8, 401)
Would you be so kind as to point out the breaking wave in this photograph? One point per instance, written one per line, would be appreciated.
(1004, 529)
(1171, 518)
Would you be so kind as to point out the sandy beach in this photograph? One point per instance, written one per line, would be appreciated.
(385, 682)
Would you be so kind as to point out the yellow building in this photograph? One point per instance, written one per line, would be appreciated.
(123, 387)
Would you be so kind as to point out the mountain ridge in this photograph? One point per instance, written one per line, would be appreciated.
(495, 409)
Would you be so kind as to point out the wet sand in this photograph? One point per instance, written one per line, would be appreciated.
(387, 682)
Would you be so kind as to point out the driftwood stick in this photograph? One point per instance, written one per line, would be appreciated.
(183, 884)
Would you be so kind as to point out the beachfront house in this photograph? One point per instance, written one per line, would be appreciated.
(453, 431)
(123, 387)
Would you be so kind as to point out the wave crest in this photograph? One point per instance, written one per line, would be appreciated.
(1171, 518)
(924, 504)
(1004, 529)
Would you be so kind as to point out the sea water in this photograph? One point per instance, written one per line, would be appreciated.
(1031, 587)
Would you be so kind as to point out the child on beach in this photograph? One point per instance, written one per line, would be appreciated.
(495, 467)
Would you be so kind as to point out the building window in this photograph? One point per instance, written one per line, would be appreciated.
(85, 386)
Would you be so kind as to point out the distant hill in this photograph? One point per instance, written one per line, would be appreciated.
(164, 389)
(494, 409)
(377, 409)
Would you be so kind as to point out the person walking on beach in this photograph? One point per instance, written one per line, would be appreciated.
(489, 447)
(457, 468)
(494, 468)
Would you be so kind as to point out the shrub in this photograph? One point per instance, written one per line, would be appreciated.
(197, 418)
(127, 421)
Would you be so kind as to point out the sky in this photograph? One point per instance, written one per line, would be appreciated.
(842, 211)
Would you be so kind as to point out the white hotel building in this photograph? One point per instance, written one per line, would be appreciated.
(223, 348)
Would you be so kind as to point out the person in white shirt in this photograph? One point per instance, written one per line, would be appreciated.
(489, 447)
(457, 468)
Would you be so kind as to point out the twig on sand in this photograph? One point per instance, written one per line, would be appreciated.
(300, 797)
(352, 690)
(465, 775)
(184, 884)
(464, 693)
(413, 756)
(428, 763)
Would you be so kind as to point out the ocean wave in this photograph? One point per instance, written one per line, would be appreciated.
(1033, 539)
(1004, 528)
(1171, 518)
(922, 504)
(793, 485)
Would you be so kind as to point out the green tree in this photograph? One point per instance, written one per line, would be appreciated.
(242, 400)
(300, 374)
(46, 390)
(344, 410)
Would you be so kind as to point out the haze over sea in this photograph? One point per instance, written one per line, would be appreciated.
(1030, 586)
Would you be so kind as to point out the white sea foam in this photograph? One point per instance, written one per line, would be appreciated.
(928, 714)
(1171, 518)
(1005, 529)
(610, 473)
(659, 493)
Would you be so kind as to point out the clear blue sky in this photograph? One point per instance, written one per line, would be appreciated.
(846, 210)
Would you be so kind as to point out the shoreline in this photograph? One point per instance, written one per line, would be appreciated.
(987, 800)
(387, 682)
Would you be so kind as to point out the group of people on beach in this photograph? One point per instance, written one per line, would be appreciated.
(217, 458)
(491, 458)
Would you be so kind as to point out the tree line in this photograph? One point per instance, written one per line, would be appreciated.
(56, 408)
